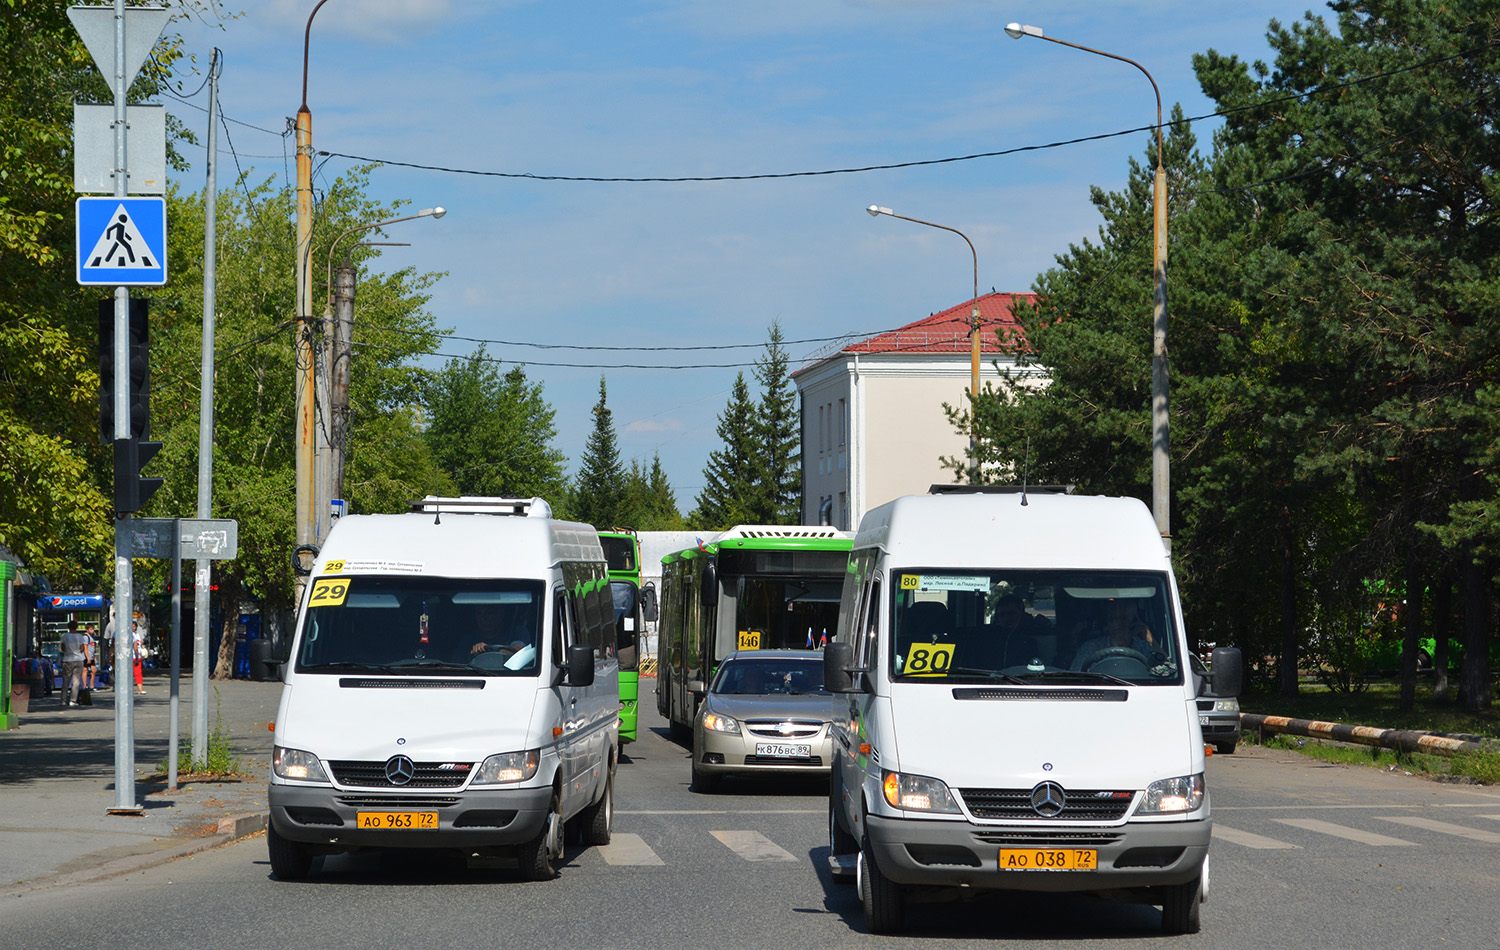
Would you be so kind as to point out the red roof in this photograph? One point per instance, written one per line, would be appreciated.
(948, 331)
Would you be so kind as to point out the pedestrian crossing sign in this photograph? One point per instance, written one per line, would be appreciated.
(122, 242)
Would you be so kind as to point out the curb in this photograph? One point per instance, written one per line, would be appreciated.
(230, 829)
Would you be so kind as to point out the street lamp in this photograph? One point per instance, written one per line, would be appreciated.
(875, 212)
(1161, 494)
(329, 463)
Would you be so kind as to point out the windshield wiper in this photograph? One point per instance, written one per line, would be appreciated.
(443, 665)
(987, 674)
(1082, 674)
(347, 667)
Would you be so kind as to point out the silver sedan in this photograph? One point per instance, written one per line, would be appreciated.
(766, 712)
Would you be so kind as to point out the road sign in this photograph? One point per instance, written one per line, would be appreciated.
(217, 539)
(122, 242)
(143, 26)
(94, 149)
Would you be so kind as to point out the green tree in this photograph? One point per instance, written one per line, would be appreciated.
(599, 490)
(387, 462)
(729, 491)
(650, 503)
(778, 458)
(492, 434)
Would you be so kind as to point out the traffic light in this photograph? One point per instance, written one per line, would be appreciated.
(131, 491)
(140, 371)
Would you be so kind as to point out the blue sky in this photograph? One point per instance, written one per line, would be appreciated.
(672, 88)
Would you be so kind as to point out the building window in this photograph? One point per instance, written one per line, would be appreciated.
(844, 511)
(843, 422)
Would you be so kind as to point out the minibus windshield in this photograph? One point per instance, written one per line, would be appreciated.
(404, 625)
(1034, 627)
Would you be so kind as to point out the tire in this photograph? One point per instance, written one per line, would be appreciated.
(596, 824)
(1181, 907)
(704, 783)
(290, 860)
(538, 857)
(840, 841)
(885, 910)
(1225, 748)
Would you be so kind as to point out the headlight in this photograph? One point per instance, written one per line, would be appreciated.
(717, 723)
(297, 765)
(1227, 705)
(507, 767)
(1184, 793)
(918, 793)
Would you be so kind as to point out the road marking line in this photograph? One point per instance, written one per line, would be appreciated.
(1340, 831)
(1249, 839)
(1443, 827)
(1490, 817)
(724, 811)
(752, 846)
(631, 850)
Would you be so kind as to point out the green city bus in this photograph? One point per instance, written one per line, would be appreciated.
(633, 606)
(753, 587)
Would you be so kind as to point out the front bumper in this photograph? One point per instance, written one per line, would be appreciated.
(477, 819)
(728, 753)
(960, 853)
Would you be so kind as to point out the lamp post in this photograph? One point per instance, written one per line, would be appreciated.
(875, 212)
(306, 363)
(336, 336)
(1161, 494)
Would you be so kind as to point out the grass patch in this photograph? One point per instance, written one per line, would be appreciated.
(219, 757)
(1480, 766)
(1341, 753)
(1379, 706)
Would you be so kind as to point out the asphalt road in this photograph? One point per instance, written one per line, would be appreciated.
(1305, 855)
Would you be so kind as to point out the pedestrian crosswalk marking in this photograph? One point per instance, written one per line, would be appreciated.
(628, 849)
(1341, 831)
(1447, 828)
(1250, 840)
(121, 245)
(752, 846)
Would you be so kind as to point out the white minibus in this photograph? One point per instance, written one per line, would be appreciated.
(1015, 707)
(453, 684)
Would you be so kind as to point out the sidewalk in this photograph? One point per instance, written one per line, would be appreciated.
(57, 782)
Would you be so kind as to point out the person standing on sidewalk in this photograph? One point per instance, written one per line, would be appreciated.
(75, 653)
(91, 665)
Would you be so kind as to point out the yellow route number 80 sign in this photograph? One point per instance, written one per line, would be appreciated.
(329, 592)
(928, 659)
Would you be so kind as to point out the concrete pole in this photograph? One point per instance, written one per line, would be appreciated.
(306, 420)
(201, 567)
(1161, 476)
(125, 802)
(343, 342)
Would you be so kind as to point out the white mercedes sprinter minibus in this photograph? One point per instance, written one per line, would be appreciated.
(1016, 709)
(452, 685)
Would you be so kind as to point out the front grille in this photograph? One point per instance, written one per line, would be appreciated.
(1048, 839)
(428, 774)
(398, 801)
(795, 728)
(812, 761)
(1015, 804)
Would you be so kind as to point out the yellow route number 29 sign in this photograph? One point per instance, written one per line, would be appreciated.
(329, 592)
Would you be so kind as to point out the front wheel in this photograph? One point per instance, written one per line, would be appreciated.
(290, 860)
(884, 907)
(598, 820)
(1181, 907)
(538, 857)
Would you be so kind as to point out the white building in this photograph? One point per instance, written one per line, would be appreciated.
(873, 426)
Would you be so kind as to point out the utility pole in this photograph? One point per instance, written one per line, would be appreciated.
(201, 573)
(341, 346)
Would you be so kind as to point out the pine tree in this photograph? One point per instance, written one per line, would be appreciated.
(599, 490)
(778, 451)
(729, 477)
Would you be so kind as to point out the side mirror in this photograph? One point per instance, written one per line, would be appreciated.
(1228, 672)
(708, 589)
(580, 665)
(837, 659)
(648, 602)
